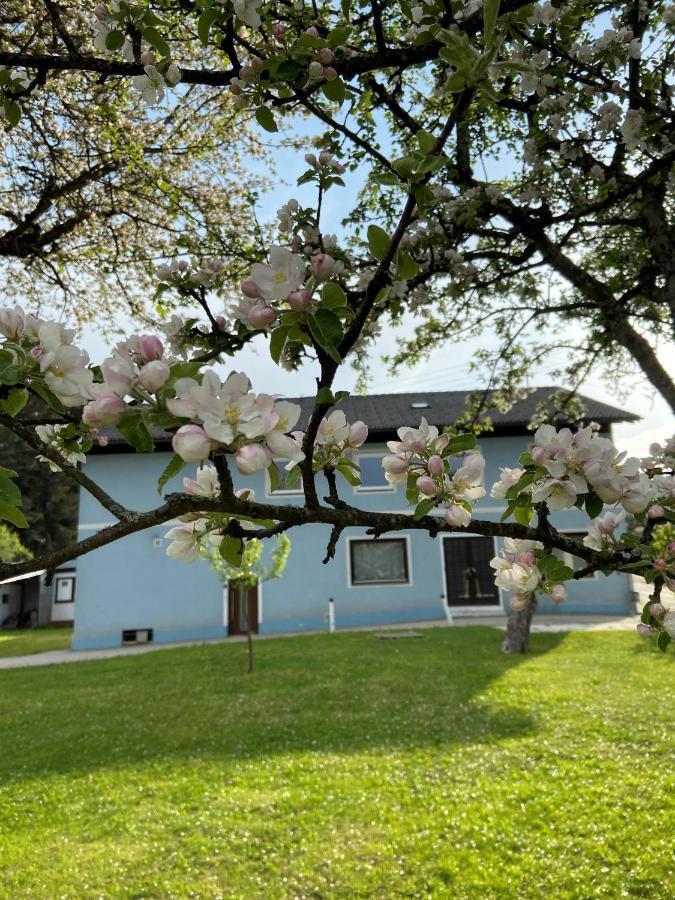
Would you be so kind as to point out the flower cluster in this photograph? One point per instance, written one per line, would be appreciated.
(525, 569)
(336, 439)
(253, 427)
(420, 459)
(658, 619)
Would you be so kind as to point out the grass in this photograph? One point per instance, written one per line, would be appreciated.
(34, 640)
(345, 767)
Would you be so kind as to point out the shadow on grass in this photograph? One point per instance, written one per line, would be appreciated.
(341, 694)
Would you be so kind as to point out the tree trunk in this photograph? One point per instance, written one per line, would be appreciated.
(517, 635)
(245, 591)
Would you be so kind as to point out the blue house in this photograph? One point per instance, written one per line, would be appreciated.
(130, 591)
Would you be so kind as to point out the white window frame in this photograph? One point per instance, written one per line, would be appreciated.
(378, 584)
(296, 491)
(387, 488)
(567, 557)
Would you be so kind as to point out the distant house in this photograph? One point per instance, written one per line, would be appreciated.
(35, 599)
(131, 591)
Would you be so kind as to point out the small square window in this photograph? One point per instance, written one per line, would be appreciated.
(295, 488)
(64, 591)
(574, 562)
(372, 474)
(382, 561)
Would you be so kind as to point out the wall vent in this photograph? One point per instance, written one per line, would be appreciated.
(137, 636)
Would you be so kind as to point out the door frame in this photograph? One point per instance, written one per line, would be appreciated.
(482, 610)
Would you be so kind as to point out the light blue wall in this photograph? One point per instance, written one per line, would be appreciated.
(133, 584)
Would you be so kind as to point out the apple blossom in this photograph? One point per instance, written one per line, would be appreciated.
(644, 630)
(191, 443)
(119, 374)
(299, 301)
(456, 515)
(252, 458)
(154, 375)
(285, 273)
(323, 266)
(427, 485)
(150, 86)
(12, 322)
(106, 409)
(206, 483)
(508, 477)
(185, 541)
(150, 347)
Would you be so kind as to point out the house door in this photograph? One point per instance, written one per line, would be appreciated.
(240, 612)
(469, 580)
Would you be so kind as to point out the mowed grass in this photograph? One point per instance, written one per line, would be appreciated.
(345, 767)
(34, 640)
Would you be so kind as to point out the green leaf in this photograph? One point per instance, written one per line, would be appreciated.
(176, 465)
(663, 640)
(378, 241)
(133, 429)
(324, 395)
(593, 504)
(411, 489)
(9, 492)
(490, 16)
(406, 267)
(232, 550)
(114, 40)
(265, 119)
(9, 372)
(523, 514)
(425, 141)
(278, 340)
(293, 476)
(185, 370)
(12, 112)
(335, 91)
(273, 475)
(460, 443)
(15, 401)
(508, 512)
(317, 327)
(10, 473)
(340, 395)
(546, 563)
(11, 514)
(205, 21)
(423, 507)
(332, 295)
(348, 474)
(153, 37)
(338, 35)
(525, 459)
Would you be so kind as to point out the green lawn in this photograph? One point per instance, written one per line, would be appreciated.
(345, 767)
(34, 640)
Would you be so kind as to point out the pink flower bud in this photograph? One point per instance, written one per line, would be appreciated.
(656, 610)
(12, 322)
(325, 55)
(119, 374)
(278, 31)
(426, 485)
(250, 289)
(299, 300)
(36, 352)
(261, 316)
(660, 563)
(323, 266)
(539, 456)
(330, 74)
(339, 168)
(191, 443)
(325, 158)
(256, 62)
(457, 516)
(154, 375)
(436, 465)
(182, 265)
(148, 58)
(150, 347)
(527, 559)
(101, 11)
(102, 440)
(558, 593)
(315, 70)
(644, 630)
(656, 511)
(105, 410)
(247, 73)
(252, 458)
(396, 465)
(235, 89)
(358, 432)
(671, 547)
(311, 31)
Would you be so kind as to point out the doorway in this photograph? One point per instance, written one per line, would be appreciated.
(242, 606)
(469, 580)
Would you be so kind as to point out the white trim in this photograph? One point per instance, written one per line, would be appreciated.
(379, 489)
(260, 605)
(482, 609)
(377, 584)
(24, 577)
(283, 492)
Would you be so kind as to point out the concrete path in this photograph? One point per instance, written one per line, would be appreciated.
(540, 624)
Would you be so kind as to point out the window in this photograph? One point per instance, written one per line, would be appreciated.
(574, 562)
(372, 474)
(382, 561)
(64, 591)
(283, 475)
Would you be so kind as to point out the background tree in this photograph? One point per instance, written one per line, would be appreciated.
(249, 573)
(11, 548)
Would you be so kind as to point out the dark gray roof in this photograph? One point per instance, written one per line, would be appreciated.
(384, 413)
